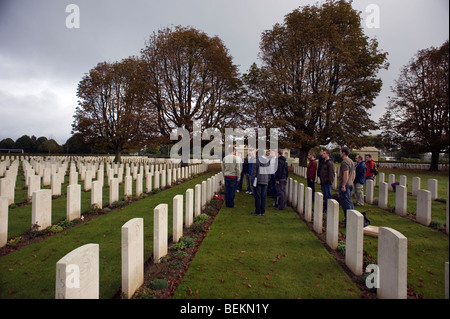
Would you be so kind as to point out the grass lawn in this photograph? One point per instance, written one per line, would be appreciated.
(30, 272)
(272, 256)
(428, 249)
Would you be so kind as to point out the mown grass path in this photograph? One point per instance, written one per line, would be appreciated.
(271, 256)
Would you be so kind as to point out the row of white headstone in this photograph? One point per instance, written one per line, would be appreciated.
(41, 199)
(392, 245)
(77, 273)
(424, 197)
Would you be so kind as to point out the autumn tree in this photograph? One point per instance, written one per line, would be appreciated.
(319, 75)
(111, 108)
(190, 77)
(417, 118)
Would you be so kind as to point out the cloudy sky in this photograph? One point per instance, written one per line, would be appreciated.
(42, 61)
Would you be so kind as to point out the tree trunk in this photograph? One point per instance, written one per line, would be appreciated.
(118, 158)
(434, 167)
(303, 157)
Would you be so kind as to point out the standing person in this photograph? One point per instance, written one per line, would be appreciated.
(231, 168)
(327, 175)
(360, 180)
(370, 167)
(251, 160)
(346, 178)
(272, 164)
(311, 171)
(260, 179)
(281, 177)
(239, 185)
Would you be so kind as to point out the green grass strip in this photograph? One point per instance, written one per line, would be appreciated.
(272, 256)
(29, 273)
(428, 249)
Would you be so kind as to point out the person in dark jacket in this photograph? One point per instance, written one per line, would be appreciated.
(281, 176)
(260, 179)
(327, 175)
(360, 180)
(311, 172)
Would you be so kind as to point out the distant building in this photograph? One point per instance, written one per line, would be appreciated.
(375, 152)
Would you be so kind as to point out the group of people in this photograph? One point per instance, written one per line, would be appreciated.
(350, 176)
(267, 173)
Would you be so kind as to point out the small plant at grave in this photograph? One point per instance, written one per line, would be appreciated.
(180, 253)
(93, 209)
(15, 240)
(209, 211)
(156, 191)
(188, 241)
(118, 204)
(158, 284)
(202, 218)
(176, 264)
(65, 223)
(178, 246)
(341, 247)
(436, 224)
(145, 293)
(12, 206)
(197, 228)
(142, 196)
(55, 229)
(185, 242)
(35, 228)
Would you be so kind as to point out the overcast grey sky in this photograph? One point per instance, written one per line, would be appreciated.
(42, 61)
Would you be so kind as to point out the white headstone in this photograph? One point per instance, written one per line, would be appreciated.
(77, 274)
(318, 212)
(163, 178)
(3, 221)
(400, 200)
(157, 175)
(423, 208)
(204, 199)
(189, 219)
(73, 209)
(369, 191)
(433, 188)
(132, 256)
(332, 234)
(139, 184)
(97, 194)
(160, 232)
(148, 182)
(301, 198)
(392, 263)
(113, 190)
(383, 195)
(415, 185)
(128, 187)
(177, 218)
(295, 194)
(7, 189)
(354, 241)
(198, 200)
(56, 185)
(391, 180)
(403, 181)
(308, 204)
(42, 209)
